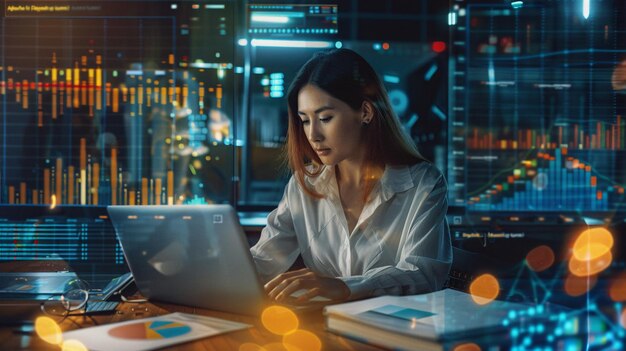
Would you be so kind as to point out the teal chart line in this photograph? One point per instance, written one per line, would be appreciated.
(549, 54)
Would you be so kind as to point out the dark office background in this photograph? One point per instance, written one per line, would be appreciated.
(519, 103)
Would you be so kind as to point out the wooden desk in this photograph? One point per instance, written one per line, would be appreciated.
(11, 338)
(313, 321)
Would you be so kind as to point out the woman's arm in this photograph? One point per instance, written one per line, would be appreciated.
(281, 287)
(277, 248)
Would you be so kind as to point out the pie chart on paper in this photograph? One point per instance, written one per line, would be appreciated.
(150, 330)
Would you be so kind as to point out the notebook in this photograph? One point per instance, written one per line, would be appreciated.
(194, 255)
(432, 321)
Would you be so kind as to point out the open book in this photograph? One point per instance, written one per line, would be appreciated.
(428, 321)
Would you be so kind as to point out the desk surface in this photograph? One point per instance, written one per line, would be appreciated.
(313, 321)
(12, 339)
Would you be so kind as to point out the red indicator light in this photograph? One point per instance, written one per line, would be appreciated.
(439, 46)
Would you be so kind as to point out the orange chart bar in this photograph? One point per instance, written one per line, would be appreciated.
(604, 136)
(65, 186)
(58, 170)
(83, 86)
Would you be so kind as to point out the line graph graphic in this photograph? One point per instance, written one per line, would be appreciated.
(550, 182)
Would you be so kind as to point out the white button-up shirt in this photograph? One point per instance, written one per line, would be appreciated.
(400, 244)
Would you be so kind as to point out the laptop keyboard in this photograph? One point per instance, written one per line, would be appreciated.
(458, 280)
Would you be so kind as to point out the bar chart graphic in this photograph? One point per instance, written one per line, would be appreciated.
(102, 109)
(592, 136)
(549, 182)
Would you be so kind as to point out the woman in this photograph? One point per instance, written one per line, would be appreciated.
(363, 208)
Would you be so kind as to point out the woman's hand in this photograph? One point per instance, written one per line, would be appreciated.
(281, 287)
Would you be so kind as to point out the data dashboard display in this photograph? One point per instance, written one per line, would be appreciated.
(116, 102)
(537, 107)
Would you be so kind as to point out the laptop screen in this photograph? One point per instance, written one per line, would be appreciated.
(192, 255)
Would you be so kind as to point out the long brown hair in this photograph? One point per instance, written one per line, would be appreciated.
(345, 75)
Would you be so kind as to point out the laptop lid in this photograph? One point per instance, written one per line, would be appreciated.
(192, 255)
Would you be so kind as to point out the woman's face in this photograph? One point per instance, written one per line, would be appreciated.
(333, 128)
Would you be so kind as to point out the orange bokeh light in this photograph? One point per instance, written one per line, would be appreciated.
(249, 346)
(618, 78)
(587, 268)
(617, 289)
(467, 347)
(73, 345)
(279, 320)
(48, 330)
(590, 251)
(484, 289)
(622, 320)
(576, 286)
(275, 346)
(592, 243)
(302, 340)
(540, 258)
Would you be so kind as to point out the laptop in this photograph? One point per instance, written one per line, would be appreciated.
(195, 255)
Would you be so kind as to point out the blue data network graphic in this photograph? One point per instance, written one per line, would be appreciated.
(593, 323)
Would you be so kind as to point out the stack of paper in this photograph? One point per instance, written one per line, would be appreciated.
(420, 322)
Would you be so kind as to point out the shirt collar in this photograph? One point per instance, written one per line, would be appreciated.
(321, 183)
(395, 179)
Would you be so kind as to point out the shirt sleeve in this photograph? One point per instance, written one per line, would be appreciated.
(277, 247)
(425, 257)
